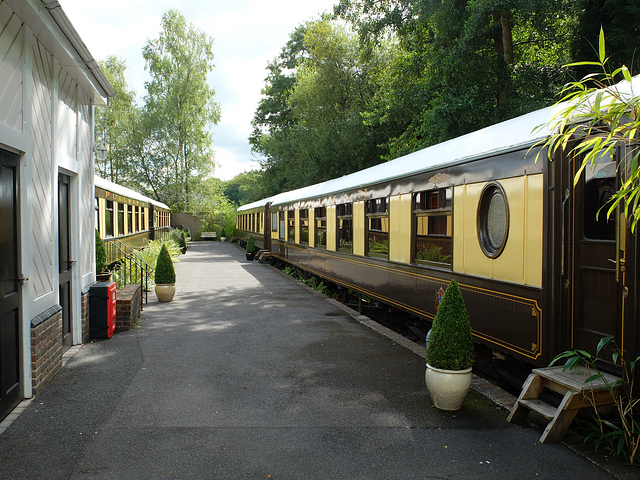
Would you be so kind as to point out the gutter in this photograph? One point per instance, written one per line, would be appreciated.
(60, 18)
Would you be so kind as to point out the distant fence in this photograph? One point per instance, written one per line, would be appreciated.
(186, 220)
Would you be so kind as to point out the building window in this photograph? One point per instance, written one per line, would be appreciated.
(108, 218)
(378, 227)
(320, 216)
(345, 227)
(304, 227)
(433, 226)
(493, 220)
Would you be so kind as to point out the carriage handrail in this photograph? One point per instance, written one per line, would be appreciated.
(128, 260)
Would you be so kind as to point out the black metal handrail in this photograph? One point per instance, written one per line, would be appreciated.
(130, 266)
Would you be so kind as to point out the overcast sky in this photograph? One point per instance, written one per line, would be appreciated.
(247, 35)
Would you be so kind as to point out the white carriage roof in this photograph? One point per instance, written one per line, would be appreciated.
(124, 191)
(511, 135)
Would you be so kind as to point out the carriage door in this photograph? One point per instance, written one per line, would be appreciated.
(10, 391)
(65, 262)
(595, 292)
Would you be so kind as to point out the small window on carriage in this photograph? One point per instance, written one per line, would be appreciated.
(274, 222)
(377, 227)
(345, 227)
(432, 226)
(599, 186)
(493, 220)
(108, 219)
(121, 219)
(304, 227)
(281, 228)
(291, 225)
(320, 216)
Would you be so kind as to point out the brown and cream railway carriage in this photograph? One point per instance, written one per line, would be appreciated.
(538, 271)
(127, 216)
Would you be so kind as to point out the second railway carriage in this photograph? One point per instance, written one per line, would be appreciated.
(539, 270)
(127, 216)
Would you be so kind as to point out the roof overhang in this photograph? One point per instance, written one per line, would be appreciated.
(49, 23)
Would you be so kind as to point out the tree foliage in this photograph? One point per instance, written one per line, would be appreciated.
(178, 112)
(602, 111)
(115, 124)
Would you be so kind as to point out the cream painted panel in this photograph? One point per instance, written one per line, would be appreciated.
(509, 266)
(66, 118)
(475, 261)
(332, 232)
(394, 228)
(459, 199)
(535, 231)
(406, 215)
(358, 228)
(312, 227)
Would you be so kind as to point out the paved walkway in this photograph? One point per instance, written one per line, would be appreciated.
(248, 375)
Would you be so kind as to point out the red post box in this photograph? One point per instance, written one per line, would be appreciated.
(102, 309)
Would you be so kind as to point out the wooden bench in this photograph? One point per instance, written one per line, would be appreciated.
(208, 235)
(262, 254)
(577, 394)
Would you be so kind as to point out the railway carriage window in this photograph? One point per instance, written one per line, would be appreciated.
(98, 214)
(378, 227)
(321, 227)
(493, 220)
(108, 218)
(274, 222)
(345, 227)
(599, 186)
(130, 218)
(120, 219)
(143, 218)
(281, 223)
(291, 220)
(433, 226)
(304, 227)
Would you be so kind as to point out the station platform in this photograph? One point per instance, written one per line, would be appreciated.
(248, 374)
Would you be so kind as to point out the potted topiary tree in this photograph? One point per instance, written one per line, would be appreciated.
(251, 248)
(223, 235)
(165, 276)
(450, 352)
(102, 274)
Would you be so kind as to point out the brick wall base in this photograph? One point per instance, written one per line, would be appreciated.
(46, 347)
(128, 307)
(85, 317)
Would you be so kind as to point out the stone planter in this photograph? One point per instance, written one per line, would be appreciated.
(165, 291)
(447, 388)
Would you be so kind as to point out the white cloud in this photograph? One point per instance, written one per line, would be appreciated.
(247, 35)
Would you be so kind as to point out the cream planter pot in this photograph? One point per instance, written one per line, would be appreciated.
(165, 291)
(447, 387)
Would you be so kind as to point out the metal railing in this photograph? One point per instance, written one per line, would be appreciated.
(129, 267)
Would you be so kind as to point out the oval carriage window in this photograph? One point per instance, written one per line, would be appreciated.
(493, 220)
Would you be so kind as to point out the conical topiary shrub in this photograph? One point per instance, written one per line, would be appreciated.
(251, 245)
(165, 273)
(450, 341)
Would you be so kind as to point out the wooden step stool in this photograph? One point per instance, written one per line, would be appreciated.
(577, 394)
(262, 255)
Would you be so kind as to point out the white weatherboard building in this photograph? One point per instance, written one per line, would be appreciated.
(49, 85)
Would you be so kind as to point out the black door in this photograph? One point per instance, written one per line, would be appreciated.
(10, 390)
(65, 262)
(595, 290)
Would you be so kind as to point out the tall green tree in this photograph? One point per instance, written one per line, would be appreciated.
(309, 125)
(175, 150)
(115, 124)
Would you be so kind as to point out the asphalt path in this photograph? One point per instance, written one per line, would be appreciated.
(246, 374)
